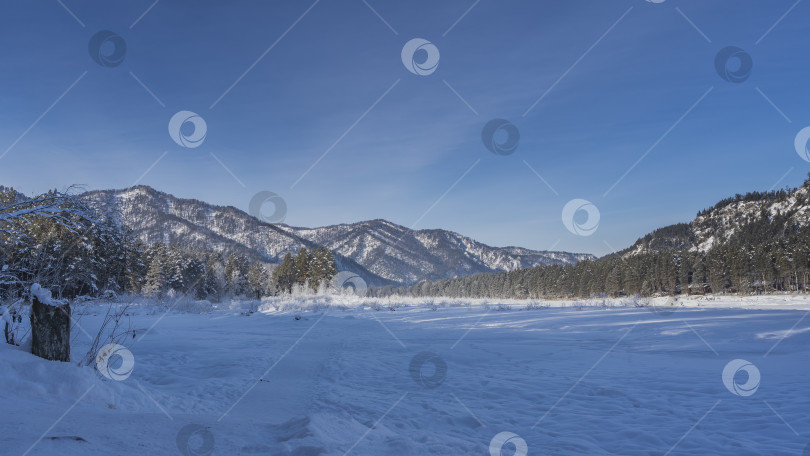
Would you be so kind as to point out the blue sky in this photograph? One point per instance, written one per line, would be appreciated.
(619, 77)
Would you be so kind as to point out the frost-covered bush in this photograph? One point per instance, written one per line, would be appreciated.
(535, 306)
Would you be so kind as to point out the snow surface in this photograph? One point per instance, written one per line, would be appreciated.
(566, 377)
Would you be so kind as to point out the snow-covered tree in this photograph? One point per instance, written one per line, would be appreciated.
(156, 284)
(284, 274)
(302, 271)
(257, 279)
(46, 237)
(322, 267)
(236, 270)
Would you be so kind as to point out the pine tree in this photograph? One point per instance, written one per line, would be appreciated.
(193, 276)
(257, 279)
(322, 267)
(613, 283)
(175, 265)
(157, 281)
(302, 271)
(136, 266)
(211, 284)
(284, 275)
(236, 269)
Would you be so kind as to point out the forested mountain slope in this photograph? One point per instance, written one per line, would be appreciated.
(758, 242)
(745, 219)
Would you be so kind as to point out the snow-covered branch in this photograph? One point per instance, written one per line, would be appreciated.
(61, 208)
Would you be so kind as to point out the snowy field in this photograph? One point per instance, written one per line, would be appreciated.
(336, 376)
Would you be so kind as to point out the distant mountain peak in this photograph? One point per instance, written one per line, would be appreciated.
(382, 252)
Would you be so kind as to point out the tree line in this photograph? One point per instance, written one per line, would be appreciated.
(313, 269)
(74, 250)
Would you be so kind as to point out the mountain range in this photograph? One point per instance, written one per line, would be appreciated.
(381, 252)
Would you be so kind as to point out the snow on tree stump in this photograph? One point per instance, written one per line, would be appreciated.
(50, 326)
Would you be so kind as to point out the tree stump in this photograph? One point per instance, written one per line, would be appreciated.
(50, 331)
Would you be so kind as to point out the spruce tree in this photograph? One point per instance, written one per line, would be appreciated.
(257, 279)
(284, 274)
(236, 269)
(157, 282)
(302, 261)
(322, 267)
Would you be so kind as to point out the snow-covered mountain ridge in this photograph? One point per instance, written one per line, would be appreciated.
(380, 251)
(735, 217)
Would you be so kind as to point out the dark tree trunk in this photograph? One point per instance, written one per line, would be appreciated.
(9, 334)
(50, 331)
